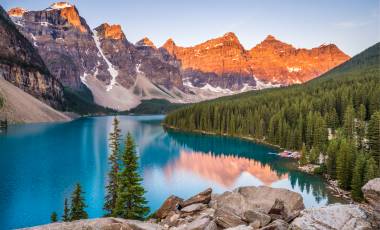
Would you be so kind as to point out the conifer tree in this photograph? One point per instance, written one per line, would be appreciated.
(304, 155)
(371, 170)
(53, 217)
(66, 212)
(314, 155)
(130, 202)
(331, 158)
(358, 178)
(374, 137)
(349, 122)
(345, 163)
(114, 157)
(78, 205)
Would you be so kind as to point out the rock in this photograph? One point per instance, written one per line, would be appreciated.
(203, 197)
(241, 227)
(89, 224)
(277, 225)
(194, 208)
(263, 198)
(211, 226)
(252, 216)
(141, 225)
(169, 205)
(371, 192)
(278, 210)
(199, 224)
(226, 218)
(260, 199)
(334, 216)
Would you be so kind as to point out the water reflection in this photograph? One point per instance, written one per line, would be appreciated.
(40, 163)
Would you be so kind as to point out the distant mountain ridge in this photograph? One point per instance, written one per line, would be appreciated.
(120, 74)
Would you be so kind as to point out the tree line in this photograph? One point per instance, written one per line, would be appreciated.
(124, 192)
(333, 120)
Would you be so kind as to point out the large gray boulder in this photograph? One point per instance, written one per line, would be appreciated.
(171, 204)
(100, 223)
(371, 192)
(260, 199)
(335, 216)
(202, 197)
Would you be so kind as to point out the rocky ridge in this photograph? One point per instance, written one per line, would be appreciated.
(21, 64)
(245, 208)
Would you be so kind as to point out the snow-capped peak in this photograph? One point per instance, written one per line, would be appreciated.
(17, 12)
(60, 5)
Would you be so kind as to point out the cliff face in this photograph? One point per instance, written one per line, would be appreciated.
(270, 61)
(21, 65)
(64, 41)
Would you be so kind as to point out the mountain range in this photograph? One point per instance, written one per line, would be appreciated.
(103, 67)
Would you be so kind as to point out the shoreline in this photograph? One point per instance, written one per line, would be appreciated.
(330, 184)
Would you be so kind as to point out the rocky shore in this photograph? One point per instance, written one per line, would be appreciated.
(245, 208)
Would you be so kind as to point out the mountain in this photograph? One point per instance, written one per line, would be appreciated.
(224, 62)
(21, 65)
(286, 116)
(105, 68)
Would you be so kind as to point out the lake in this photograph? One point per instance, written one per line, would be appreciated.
(40, 164)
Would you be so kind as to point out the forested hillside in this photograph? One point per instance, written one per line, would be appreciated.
(334, 119)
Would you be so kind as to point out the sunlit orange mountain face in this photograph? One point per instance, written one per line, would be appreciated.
(120, 74)
(224, 170)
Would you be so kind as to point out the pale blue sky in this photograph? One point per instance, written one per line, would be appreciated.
(353, 25)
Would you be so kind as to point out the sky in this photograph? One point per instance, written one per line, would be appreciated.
(353, 25)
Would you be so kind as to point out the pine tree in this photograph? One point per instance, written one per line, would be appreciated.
(371, 170)
(349, 122)
(304, 155)
(130, 202)
(331, 158)
(111, 188)
(53, 217)
(314, 155)
(374, 137)
(78, 205)
(345, 163)
(66, 211)
(358, 178)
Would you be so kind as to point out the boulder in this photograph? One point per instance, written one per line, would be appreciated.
(259, 219)
(334, 216)
(170, 204)
(227, 218)
(278, 210)
(193, 208)
(263, 198)
(277, 225)
(241, 227)
(260, 199)
(203, 197)
(211, 226)
(371, 192)
(109, 223)
(200, 223)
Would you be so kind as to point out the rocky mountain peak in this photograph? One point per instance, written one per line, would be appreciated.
(169, 45)
(17, 12)
(110, 31)
(70, 13)
(231, 36)
(146, 42)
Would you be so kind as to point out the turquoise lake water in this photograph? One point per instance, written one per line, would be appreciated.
(40, 164)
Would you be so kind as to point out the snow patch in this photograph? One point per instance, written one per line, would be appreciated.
(111, 69)
(216, 89)
(34, 40)
(264, 85)
(60, 5)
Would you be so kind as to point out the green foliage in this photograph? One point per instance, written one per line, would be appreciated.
(130, 201)
(358, 177)
(374, 136)
(304, 155)
(78, 205)
(345, 162)
(332, 150)
(114, 157)
(66, 211)
(320, 170)
(155, 106)
(371, 171)
(53, 217)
